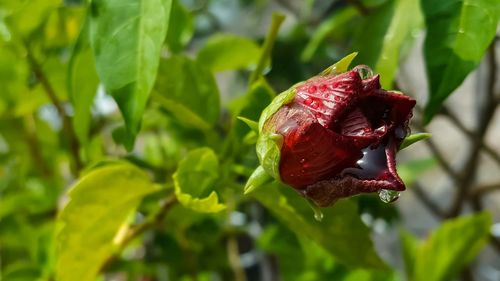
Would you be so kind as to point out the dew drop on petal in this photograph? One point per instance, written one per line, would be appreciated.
(312, 89)
(388, 196)
(323, 88)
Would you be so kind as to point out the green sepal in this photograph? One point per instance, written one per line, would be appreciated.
(280, 100)
(251, 124)
(258, 178)
(268, 151)
(250, 138)
(413, 138)
(341, 66)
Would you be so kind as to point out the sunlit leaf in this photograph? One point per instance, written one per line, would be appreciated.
(229, 52)
(188, 90)
(406, 22)
(450, 247)
(126, 37)
(195, 179)
(99, 204)
(181, 27)
(458, 34)
(340, 223)
(82, 85)
(369, 38)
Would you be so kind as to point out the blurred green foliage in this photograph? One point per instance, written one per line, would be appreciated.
(114, 112)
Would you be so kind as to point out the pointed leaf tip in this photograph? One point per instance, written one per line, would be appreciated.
(258, 178)
(252, 124)
(341, 66)
(413, 138)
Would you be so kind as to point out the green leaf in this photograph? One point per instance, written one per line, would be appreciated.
(82, 83)
(340, 223)
(99, 205)
(409, 247)
(451, 247)
(369, 38)
(341, 66)
(195, 177)
(406, 21)
(188, 90)
(126, 37)
(253, 125)
(181, 27)
(258, 178)
(331, 25)
(229, 52)
(413, 138)
(26, 16)
(458, 34)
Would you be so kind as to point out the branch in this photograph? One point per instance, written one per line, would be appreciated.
(139, 229)
(454, 119)
(437, 154)
(68, 130)
(427, 201)
(485, 114)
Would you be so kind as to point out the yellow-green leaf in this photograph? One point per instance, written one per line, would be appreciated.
(99, 204)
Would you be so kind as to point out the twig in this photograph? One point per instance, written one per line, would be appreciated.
(267, 47)
(427, 201)
(139, 229)
(485, 113)
(483, 189)
(74, 146)
(438, 155)
(32, 142)
(453, 118)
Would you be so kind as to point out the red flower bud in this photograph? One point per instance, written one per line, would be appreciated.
(339, 136)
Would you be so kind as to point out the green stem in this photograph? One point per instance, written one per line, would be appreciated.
(267, 47)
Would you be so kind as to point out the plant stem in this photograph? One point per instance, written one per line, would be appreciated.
(267, 47)
(74, 146)
(139, 229)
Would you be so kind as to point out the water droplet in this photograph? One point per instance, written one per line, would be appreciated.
(337, 98)
(364, 71)
(312, 89)
(388, 196)
(323, 88)
(318, 216)
(302, 160)
(308, 101)
(314, 105)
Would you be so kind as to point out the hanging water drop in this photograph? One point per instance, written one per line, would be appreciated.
(388, 196)
(318, 216)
